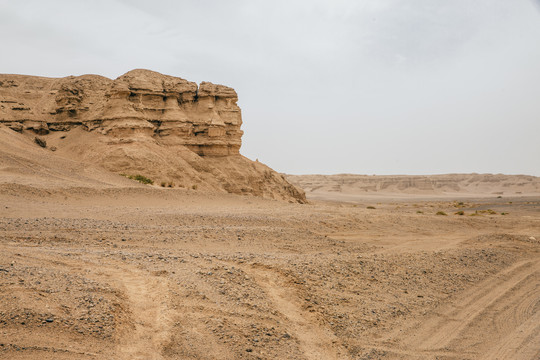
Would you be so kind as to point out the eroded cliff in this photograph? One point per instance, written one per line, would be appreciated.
(164, 127)
(204, 118)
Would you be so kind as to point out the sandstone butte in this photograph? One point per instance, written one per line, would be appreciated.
(166, 128)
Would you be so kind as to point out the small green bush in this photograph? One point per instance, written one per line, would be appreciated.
(441, 213)
(194, 187)
(419, 212)
(459, 213)
(140, 178)
(488, 211)
(371, 207)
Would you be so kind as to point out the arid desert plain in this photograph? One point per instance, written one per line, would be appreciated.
(223, 258)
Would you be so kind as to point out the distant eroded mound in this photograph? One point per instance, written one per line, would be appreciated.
(349, 187)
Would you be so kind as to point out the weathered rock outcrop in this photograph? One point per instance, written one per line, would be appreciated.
(143, 121)
(204, 118)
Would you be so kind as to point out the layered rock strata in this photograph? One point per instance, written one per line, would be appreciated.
(205, 118)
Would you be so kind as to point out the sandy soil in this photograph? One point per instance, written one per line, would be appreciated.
(149, 273)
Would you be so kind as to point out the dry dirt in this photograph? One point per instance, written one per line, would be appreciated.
(94, 265)
(148, 273)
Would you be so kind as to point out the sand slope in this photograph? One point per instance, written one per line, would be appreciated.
(84, 159)
(23, 162)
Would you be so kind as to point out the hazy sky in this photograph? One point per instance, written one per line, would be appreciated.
(359, 86)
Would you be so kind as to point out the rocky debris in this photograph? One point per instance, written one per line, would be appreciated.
(40, 142)
(222, 266)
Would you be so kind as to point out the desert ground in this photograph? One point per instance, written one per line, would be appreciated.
(223, 258)
(142, 272)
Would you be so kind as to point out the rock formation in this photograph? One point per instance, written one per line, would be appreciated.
(145, 122)
(203, 118)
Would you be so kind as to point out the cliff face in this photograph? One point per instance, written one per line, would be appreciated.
(205, 118)
(143, 121)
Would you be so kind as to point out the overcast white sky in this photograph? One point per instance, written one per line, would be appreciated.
(336, 86)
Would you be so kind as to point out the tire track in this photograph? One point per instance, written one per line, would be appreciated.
(500, 319)
(315, 341)
(441, 330)
(147, 301)
(522, 343)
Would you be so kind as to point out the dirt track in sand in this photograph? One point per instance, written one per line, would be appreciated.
(167, 274)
